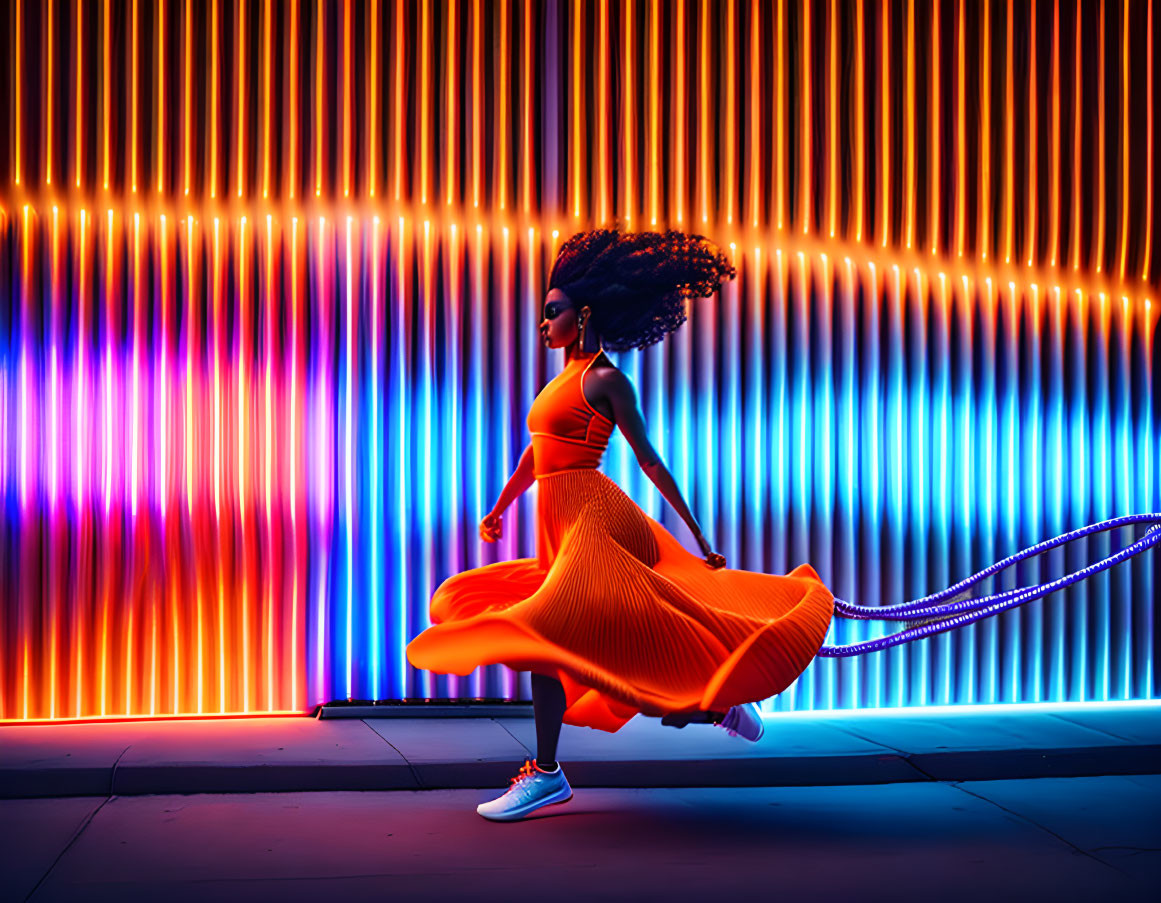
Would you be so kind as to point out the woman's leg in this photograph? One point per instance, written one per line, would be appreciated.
(548, 704)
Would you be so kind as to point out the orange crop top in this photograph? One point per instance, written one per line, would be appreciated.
(568, 433)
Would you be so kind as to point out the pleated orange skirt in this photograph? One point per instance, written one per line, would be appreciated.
(623, 615)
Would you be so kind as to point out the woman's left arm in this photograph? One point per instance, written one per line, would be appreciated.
(619, 392)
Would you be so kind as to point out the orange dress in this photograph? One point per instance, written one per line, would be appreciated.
(613, 605)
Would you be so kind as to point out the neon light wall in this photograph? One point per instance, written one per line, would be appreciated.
(270, 284)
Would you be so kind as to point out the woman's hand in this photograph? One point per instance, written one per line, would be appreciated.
(713, 560)
(491, 527)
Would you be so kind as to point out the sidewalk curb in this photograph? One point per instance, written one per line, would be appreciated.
(777, 771)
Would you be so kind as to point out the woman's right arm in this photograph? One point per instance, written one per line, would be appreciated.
(522, 477)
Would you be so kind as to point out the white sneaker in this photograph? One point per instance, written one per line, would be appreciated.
(531, 789)
(744, 721)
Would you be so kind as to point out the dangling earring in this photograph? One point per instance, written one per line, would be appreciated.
(581, 346)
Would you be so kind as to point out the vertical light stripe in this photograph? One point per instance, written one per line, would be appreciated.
(1030, 177)
(806, 111)
(1009, 140)
(909, 125)
(1099, 199)
(1054, 217)
(885, 123)
(348, 432)
(984, 207)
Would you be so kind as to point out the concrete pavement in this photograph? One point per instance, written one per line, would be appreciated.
(1059, 839)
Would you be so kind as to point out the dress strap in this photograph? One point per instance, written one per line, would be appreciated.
(581, 389)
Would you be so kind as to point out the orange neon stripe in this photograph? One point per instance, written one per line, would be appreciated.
(527, 162)
(240, 77)
(221, 641)
(703, 111)
(214, 103)
(18, 90)
(1054, 221)
(292, 176)
(1032, 177)
(679, 128)
(161, 32)
(885, 123)
(935, 104)
(153, 654)
(174, 618)
(1148, 146)
(1009, 144)
(187, 131)
(129, 648)
(319, 59)
(451, 112)
(48, 98)
(78, 132)
(806, 180)
(1074, 244)
(266, 42)
(832, 119)
(373, 101)
(133, 129)
(860, 123)
(755, 110)
(502, 114)
(347, 100)
(106, 91)
(577, 95)
(1100, 199)
(629, 120)
(477, 104)
(961, 199)
(399, 101)
(780, 119)
(909, 176)
(603, 109)
(985, 137)
(1124, 237)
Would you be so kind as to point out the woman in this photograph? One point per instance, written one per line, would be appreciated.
(614, 616)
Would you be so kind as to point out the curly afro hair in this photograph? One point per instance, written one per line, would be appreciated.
(636, 282)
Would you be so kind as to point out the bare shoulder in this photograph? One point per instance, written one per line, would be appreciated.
(609, 381)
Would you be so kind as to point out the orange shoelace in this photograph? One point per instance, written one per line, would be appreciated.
(526, 771)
